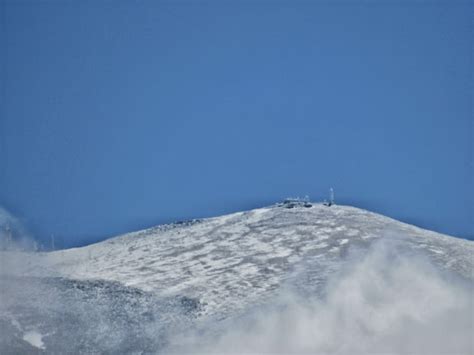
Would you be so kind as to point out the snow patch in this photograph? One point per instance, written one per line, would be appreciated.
(34, 338)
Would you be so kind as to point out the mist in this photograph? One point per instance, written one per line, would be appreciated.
(389, 300)
(13, 233)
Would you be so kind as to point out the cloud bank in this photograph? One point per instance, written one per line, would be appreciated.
(389, 300)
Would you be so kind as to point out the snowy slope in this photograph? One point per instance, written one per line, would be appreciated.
(231, 263)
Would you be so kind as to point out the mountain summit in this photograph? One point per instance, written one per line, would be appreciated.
(214, 269)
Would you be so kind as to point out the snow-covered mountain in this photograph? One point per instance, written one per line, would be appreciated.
(149, 290)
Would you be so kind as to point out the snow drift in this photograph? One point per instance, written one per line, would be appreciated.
(307, 279)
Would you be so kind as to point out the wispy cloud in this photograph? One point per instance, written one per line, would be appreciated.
(389, 300)
(13, 233)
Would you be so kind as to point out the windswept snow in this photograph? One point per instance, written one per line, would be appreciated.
(233, 263)
(34, 338)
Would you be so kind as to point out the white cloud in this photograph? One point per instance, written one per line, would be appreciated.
(387, 301)
(13, 234)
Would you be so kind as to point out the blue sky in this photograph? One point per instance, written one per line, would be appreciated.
(121, 115)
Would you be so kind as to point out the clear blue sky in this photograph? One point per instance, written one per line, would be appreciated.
(118, 115)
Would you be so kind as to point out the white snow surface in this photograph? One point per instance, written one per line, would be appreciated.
(242, 259)
(34, 338)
